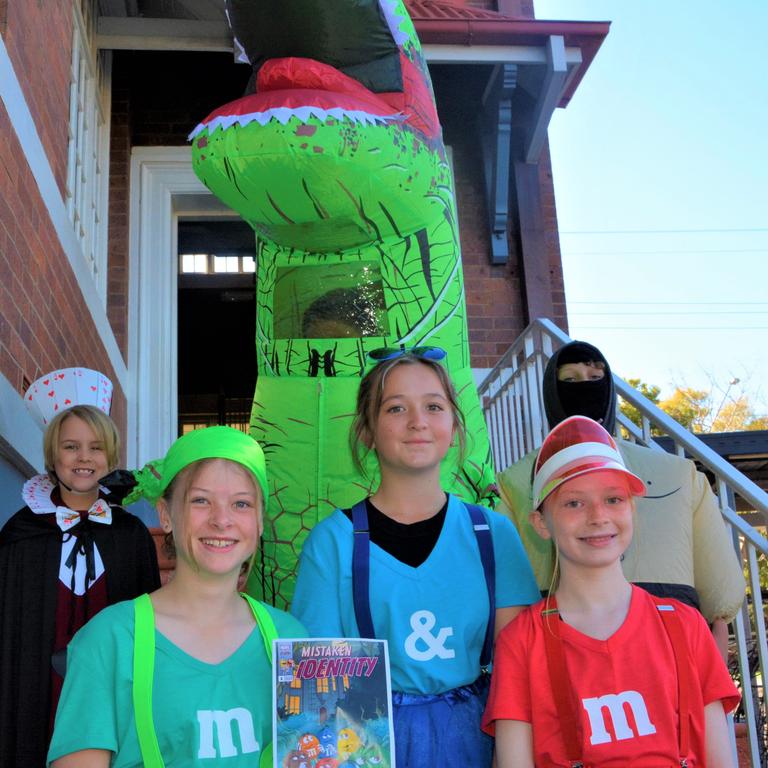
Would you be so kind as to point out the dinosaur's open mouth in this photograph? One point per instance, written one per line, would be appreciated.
(294, 87)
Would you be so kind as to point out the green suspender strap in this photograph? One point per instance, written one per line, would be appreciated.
(144, 670)
(265, 623)
(268, 633)
(143, 676)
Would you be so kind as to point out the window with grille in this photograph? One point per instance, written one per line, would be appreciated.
(88, 159)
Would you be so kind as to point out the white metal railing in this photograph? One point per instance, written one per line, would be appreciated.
(514, 412)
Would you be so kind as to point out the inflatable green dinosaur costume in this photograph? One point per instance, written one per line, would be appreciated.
(337, 162)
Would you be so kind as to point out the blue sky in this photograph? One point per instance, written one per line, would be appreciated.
(661, 177)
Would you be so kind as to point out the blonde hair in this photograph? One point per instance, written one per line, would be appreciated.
(101, 426)
(371, 393)
(177, 493)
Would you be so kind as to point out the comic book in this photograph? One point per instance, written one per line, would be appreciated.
(332, 704)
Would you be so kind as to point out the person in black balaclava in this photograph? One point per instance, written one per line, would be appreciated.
(681, 547)
(578, 382)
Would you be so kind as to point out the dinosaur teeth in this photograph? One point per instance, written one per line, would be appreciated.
(285, 114)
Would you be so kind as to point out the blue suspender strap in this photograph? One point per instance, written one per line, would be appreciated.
(361, 547)
(485, 545)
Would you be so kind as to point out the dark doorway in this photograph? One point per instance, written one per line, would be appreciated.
(217, 323)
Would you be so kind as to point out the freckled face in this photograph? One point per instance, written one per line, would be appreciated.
(217, 527)
(589, 518)
(415, 424)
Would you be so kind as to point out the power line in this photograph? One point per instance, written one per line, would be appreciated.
(647, 329)
(656, 231)
(663, 253)
(654, 313)
(673, 303)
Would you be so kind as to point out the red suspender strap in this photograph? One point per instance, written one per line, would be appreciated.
(677, 638)
(560, 683)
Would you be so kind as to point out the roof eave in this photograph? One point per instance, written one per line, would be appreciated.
(586, 35)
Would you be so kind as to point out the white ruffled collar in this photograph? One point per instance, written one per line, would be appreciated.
(73, 570)
(37, 492)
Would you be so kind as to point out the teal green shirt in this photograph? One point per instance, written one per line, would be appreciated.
(204, 714)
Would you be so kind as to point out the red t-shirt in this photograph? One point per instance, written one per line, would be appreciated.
(625, 687)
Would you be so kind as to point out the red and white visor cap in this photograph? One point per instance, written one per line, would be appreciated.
(576, 447)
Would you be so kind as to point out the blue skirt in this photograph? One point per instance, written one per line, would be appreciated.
(442, 730)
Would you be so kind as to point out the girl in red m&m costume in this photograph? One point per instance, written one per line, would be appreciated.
(601, 673)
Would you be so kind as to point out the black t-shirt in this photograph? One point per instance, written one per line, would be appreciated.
(410, 543)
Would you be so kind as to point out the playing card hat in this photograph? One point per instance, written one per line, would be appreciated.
(59, 390)
(576, 446)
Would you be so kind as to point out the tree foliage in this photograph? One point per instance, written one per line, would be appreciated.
(737, 415)
(649, 391)
(689, 407)
(700, 410)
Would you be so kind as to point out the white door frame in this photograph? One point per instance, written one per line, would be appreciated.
(163, 187)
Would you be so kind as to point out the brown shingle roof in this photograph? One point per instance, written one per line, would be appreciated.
(424, 10)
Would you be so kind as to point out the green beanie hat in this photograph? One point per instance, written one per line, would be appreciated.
(210, 443)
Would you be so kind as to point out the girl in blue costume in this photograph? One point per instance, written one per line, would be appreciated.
(432, 575)
(182, 677)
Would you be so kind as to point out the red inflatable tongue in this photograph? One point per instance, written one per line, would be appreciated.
(293, 83)
(293, 72)
(332, 88)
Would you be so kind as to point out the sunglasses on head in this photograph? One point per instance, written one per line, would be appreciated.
(390, 353)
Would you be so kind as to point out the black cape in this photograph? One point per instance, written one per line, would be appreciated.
(30, 554)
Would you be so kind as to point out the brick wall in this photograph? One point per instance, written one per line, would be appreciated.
(43, 323)
(119, 193)
(496, 313)
(44, 78)
(495, 310)
(170, 93)
(494, 303)
(560, 316)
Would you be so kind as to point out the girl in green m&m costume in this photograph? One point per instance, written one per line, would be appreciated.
(337, 162)
(182, 677)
